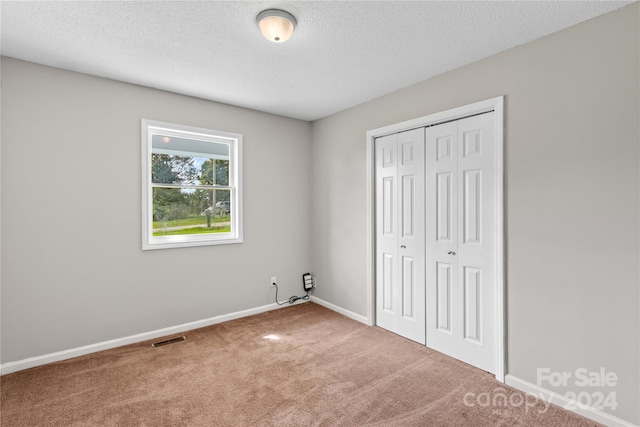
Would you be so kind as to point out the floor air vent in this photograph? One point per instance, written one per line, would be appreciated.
(169, 341)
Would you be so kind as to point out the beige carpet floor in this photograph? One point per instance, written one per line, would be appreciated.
(302, 365)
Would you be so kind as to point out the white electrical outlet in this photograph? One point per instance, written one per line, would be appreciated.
(273, 280)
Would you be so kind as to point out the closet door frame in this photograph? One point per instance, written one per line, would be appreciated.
(494, 104)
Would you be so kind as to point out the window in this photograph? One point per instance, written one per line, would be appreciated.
(191, 186)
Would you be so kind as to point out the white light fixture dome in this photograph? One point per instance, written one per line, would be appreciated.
(276, 25)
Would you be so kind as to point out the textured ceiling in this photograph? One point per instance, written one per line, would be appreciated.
(341, 54)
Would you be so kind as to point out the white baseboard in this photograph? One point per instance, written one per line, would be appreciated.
(560, 400)
(31, 362)
(343, 311)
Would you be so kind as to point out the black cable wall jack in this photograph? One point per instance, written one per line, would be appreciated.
(292, 299)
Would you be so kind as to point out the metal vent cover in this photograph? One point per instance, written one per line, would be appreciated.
(169, 341)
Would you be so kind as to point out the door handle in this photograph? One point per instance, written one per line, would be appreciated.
(403, 247)
(451, 253)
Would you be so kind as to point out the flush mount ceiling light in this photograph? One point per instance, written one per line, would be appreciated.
(276, 25)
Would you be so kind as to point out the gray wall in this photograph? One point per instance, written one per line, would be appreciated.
(73, 272)
(572, 196)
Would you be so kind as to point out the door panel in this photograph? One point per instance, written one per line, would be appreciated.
(408, 208)
(400, 234)
(464, 151)
(472, 201)
(444, 215)
(408, 153)
(386, 229)
(472, 304)
(441, 233)
(388, 220)
(443, 296)
(387, 282)
(408, 287)
(471, 141)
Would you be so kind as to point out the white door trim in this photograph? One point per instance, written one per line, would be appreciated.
(493, 104)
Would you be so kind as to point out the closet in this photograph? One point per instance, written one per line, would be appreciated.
(435, 238)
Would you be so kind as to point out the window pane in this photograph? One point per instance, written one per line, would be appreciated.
(171, 169)
(189, 161)
(188, 211)
(213, 171)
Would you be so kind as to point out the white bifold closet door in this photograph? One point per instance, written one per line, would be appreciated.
(400, 234)
(460, 240)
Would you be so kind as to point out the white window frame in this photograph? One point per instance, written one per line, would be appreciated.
(234, 140)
